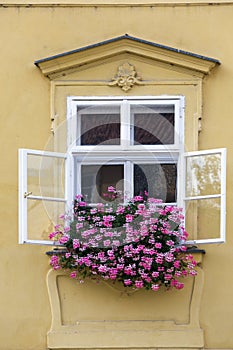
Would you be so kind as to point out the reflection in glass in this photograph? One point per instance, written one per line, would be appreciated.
(42, 216)
(46, 176)
(153, 125)
(159, 180)
(202, 218)
(99, 125)
(203, 175)
(97, 178)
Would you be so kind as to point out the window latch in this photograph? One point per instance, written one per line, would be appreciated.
(26, 194)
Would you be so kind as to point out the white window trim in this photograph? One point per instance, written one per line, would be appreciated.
(24, 195)
(125, 151)
(124, 103)
(221, 195)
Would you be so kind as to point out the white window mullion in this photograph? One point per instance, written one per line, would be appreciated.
(125, 124)
(77, 177)
(129, 179)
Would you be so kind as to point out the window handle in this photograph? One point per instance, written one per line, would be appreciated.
(26, 194)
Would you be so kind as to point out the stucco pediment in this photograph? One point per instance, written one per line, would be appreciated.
(125, 47)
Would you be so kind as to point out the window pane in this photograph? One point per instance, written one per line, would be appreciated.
(202, 218)
(95, 180)
(99, 125)
(153, 124)
(42, 216)
(203, 175)
(159, 180)
(46, 176)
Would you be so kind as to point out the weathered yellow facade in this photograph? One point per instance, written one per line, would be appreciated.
(43, 309)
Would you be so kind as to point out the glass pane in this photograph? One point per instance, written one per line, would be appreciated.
(99, 125)
(46, 176)
(42, 216)
(202, 218)
(159, 180)
(153, 124)
(203, 175)
(95, 180)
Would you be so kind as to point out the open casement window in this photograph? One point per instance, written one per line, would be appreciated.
(132, 144)
(42, 194)
(135, 145)
(205, 195)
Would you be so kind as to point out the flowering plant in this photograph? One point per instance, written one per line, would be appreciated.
(140, 243)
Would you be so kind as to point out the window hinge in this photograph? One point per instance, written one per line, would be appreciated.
(52, 129)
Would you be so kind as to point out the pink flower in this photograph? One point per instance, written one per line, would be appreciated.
(79, 196)
(128, 270)
(155, 287)
(102, 268)
(158, 245)
(64, 239)
(107, 243)
(159, 259)
(120, 210)
(178, 273)
(54, 262)
(76, 243)
(168, 276)
(73, 274)
(107, 224)
(177, 264)
(53, 234)
(138, 198)
(169, 257)
(155, 274)
(127, 282)
(139, 284)
(129, 218)
(79, 225)
(120, 254)
(179, 285)
(170, 243)
(183, 248)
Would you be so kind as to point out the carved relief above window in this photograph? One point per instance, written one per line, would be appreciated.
(126, 77)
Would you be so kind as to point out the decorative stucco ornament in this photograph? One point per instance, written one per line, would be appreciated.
(126, 77)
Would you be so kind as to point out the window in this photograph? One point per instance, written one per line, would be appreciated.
(133, 144)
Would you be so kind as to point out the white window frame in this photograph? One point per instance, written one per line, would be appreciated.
(126, 150)
(124, 103)
(221, 195)
(24, 195)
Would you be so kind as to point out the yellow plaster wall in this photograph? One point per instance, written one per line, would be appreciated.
(30, 33)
